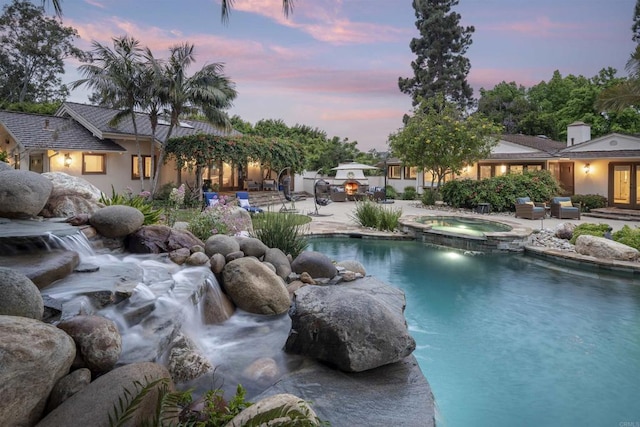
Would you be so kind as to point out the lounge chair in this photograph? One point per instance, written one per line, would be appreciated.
(563, 208)
(210, 199)
(243, 201)
(269, 185)
(525, 208)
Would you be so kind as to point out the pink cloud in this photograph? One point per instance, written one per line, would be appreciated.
(540, 27)
(323, 21)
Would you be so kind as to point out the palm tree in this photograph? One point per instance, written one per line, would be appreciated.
(208, 91)
(119, 78)
(625, 94)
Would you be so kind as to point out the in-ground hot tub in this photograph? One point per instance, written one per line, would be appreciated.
(467, 233)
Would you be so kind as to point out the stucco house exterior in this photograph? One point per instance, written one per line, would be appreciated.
(608, 165)
(79, 141)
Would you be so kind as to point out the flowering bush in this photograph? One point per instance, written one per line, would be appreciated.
(175, 202)
(223, 218)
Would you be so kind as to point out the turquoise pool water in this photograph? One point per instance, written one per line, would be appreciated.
(506, 341)
(462, 225)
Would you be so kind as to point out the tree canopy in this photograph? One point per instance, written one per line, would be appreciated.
(33, 48)
(440, 66)
(550, 106)
(442, 141)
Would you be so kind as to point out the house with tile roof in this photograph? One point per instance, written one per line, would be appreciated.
(80, 141)
(608, 165)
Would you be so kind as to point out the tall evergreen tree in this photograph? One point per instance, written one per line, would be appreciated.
(440, 66)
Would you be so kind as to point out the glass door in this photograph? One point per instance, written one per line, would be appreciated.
(622, 184)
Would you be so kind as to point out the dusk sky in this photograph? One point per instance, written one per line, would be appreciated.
(335, 64)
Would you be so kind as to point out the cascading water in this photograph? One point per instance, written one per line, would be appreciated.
(153, 300)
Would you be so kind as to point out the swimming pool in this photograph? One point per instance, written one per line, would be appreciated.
(507, 340)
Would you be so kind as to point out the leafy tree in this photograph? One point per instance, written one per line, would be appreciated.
(636, 23)
(118, 75)
(506, 104)
(442, 141)
(440, 66)
(33, 48)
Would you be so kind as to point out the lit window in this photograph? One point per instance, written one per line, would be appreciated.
(146, 167)
(485, 171)
(94, 164)
(393, 172)
(410, 172)
(516, 169)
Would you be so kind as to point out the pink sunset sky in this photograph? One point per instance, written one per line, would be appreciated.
(335, 64)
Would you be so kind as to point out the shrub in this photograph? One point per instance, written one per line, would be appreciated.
(3, 156)
(285, 231)
(140, 202)
(368, 214)
(500, 191)
(389, 217)
(589, 229)
(429, 196)
(409, 193)
(391, 192)
(628, 236)
(589, 201)
(219, 219)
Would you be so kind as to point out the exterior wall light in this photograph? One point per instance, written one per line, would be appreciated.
(587, 168)
(67, 160)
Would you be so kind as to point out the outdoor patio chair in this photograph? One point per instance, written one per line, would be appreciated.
(338, 195)
(253, 185)
(563, 208)
(525, 208)
(243, 201)
(210, 199)
(269, 185)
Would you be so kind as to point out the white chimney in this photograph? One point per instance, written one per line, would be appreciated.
(578, 132)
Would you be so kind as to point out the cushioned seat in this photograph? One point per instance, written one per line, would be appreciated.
(525, 208)
(563, 208)
(243, 201)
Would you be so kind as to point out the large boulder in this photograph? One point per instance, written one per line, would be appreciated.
(252, 246)
(353, 265)
(71, 196)
(255, 288)
(117, 220)
(284, 402)
(157, 239)
(185, 362)
(353, 327)
(601, 248)
(98, 341)
(317, 264)
(43, 267)
(20, 297)
(221, 244)
(564, 230)
(279, 260)
(4, 166)
(23, 194)
(93, 406)
(67, 386)
(33, 357)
